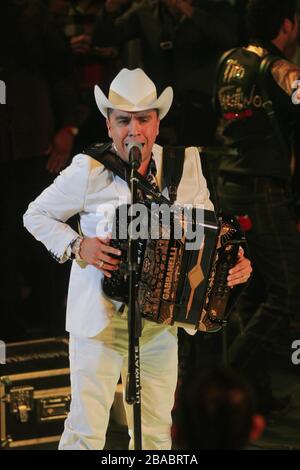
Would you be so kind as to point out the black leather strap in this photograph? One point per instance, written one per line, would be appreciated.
(104, 154)
(173, 160)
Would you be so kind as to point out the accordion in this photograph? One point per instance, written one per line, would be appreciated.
(181, 280)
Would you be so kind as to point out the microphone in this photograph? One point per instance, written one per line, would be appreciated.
(135, 154)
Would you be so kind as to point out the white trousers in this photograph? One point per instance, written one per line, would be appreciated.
(96, 364)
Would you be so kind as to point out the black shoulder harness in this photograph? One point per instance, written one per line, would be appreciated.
(173, 160)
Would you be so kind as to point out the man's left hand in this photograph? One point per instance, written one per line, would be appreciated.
(241, 272)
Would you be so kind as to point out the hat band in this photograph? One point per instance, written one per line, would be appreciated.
(120, 101)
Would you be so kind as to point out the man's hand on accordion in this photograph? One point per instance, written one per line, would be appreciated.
(241, 272)
(97, 251)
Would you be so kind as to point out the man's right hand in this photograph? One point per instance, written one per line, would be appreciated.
(81, 44)
(96, 251)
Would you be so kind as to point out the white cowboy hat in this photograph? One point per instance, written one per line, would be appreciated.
(132, 90)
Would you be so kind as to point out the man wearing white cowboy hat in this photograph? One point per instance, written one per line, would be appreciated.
(98, 332)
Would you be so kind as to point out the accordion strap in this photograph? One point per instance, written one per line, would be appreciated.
(105, 155)
(173, 159)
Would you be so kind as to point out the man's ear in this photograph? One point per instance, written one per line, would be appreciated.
(258, 427)
(157, 128)
(287, 26)
(108, 127)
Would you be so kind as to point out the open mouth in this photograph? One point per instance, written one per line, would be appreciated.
(130, 143)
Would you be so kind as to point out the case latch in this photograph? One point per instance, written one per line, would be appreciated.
(21, 402)
(53, 408)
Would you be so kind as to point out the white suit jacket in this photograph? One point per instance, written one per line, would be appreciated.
(87, 187)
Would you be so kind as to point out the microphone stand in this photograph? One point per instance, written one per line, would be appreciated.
(133, 387)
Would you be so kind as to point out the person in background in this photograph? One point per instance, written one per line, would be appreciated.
(181, 41)
(38, 123)
(255, 184)
(215, 410)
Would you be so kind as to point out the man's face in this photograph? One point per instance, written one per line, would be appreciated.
(141, 127)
